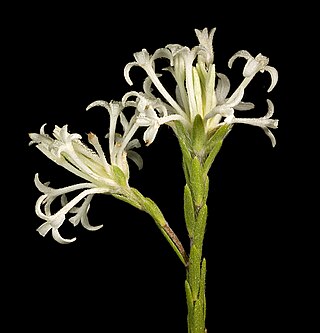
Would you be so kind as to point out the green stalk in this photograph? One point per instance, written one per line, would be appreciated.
(199, 150)
(136, 199)
(196, 213)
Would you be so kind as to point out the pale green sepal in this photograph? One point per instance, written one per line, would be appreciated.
(188, 210)
(198, 135)
(200, 226)
(196, 181)
(198, 318)
(119, 175)
(194, 271)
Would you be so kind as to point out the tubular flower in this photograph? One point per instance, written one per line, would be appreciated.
(101, 176)
(199, 89)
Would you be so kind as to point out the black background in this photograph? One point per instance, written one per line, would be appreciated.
(125, 277)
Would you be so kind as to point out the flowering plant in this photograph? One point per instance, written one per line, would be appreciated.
(201, 112)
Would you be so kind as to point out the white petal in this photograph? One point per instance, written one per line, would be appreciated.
(223, 87)
(127, 70)
(242, 53)
(44, 228)
(244, 106)
(56, 236)
(150, 134)
(270, 135)
(274, 76)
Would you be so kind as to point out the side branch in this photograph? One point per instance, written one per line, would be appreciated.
(177, 243)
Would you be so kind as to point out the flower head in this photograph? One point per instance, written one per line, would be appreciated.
(199, 89)
(101, 176)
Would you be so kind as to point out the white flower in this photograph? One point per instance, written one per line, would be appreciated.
(198, 88)
(102, 177)
(255, 65)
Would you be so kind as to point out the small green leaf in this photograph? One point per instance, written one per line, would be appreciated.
(212, 155)
(198, 134)
(194, 271)
(186, 165)
(154, 211)
(189, 296)
(189, 304)
(214, 143)
(198, 318)
(183, 137)
(202, 295)
(206, 189)
(196, 182)
(188, 210)
(200, 226)
(218, 135)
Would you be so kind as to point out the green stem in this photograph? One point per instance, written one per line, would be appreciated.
(136, 199)
(196, 269)
(199, 150)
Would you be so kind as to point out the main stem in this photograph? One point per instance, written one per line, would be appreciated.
(195, 208)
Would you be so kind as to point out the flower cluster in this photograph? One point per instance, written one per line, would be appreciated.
(101, 176)
(200, 92)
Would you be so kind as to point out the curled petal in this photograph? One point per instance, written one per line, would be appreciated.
(163, 53)
(81, 215)
(270, 135)
(57, 237)
(240, 54)
(274, 76)
(44, 188)
(126, 71)
(270, 109)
